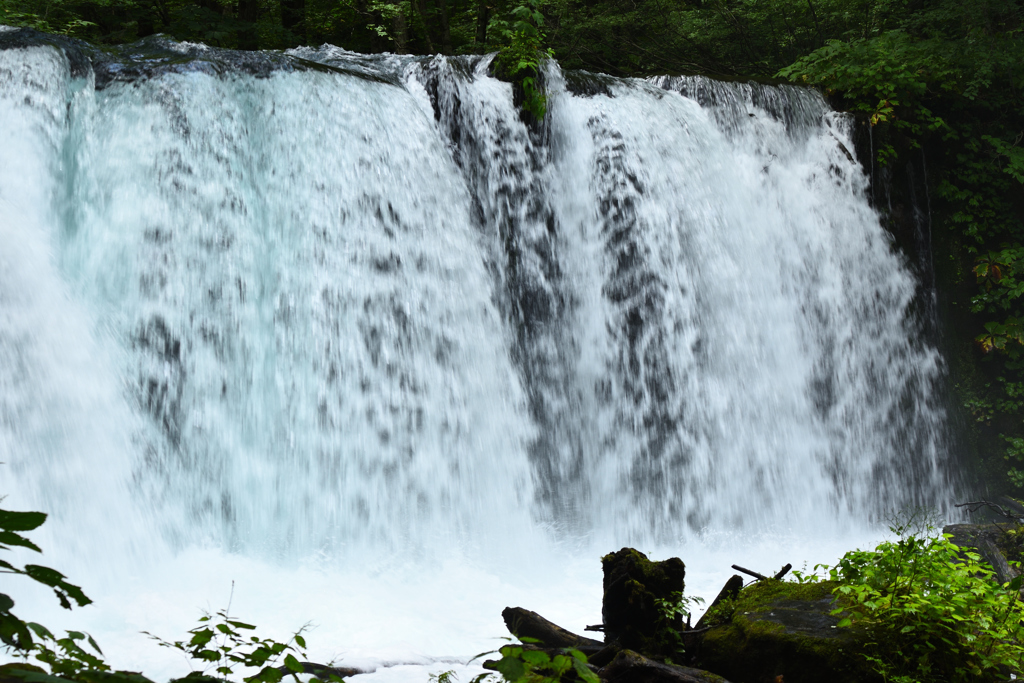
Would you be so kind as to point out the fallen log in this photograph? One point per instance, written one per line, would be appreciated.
(524, 623)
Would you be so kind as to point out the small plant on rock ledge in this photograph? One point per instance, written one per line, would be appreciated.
(673, 612)
(520, 58)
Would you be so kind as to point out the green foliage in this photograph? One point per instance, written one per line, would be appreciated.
(1001, 402)
(223, 645)
(933, 611)
(679, 606)
(448, 676)
(67, 656)
(675, 611)
(520, 664)
(14, 633)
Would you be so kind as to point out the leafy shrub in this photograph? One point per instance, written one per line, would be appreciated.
(933, 611)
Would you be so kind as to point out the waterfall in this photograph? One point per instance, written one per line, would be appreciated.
(317, 306)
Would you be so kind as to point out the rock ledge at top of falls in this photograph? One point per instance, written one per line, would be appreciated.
(159, 54)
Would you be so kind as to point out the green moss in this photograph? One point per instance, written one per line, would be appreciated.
(636, 592)
(784, 628)
(763, 593)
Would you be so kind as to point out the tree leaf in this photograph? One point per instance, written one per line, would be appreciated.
(21, 521)
(10, 538)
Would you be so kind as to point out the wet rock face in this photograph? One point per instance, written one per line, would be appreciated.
(810, 618)
(774, 628)
(633, 587)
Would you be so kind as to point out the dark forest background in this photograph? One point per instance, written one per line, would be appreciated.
(937, 86)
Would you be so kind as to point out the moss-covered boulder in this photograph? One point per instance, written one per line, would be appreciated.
(635, 592)
(774, 628)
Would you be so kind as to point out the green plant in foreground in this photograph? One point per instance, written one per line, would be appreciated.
(932, 611)
(446, 677)
(219, 642)
(14, 633)
(223, 645)
(518, 664)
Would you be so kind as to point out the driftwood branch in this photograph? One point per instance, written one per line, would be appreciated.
(631, 667)
(975, 505)
(759, 577)
(697, 631)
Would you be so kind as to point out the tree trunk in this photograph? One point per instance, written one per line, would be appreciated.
(293, 18)
(401, 29)
(248, 13)
(483, 16)
(422, 9)
(446, 36)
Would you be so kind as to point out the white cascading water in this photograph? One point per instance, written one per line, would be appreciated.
(345, 330)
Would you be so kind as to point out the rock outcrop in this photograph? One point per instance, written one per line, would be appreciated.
(773, 628)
